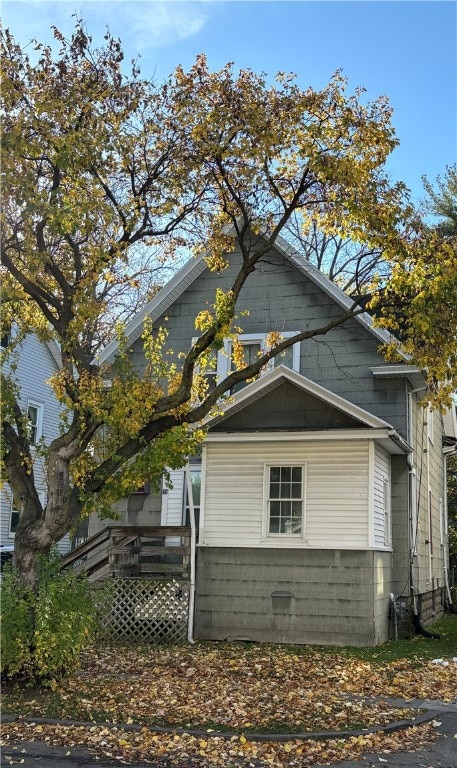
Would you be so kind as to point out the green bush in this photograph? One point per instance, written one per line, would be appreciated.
(43, 631)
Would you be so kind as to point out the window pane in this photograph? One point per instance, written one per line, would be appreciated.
(286, 474)
(14, 520)
(274, 474)
(274, 525)
(286, 508)
(32, 415)
(274, 490)
(285, 358)
(296, 474)
(285, 490)
(296, 525)
(275, 507)
(296, 491)
(196, 476)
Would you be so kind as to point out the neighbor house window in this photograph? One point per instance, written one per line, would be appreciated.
(14, 517)
(35, 421)
(285, 500)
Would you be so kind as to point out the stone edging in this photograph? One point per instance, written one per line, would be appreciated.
(399, 725)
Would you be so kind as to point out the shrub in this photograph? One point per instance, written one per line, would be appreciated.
(43, 631)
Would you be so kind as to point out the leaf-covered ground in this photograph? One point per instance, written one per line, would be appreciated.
(189, 751)
(241, 688)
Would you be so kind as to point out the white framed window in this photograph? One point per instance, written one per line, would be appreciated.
(35, 421)
(254, 345)
(14, 514)
(211, 373)
(284, 499)
(196, 482)
(14, 519)
(387, 512)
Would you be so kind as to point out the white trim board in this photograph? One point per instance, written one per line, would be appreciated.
(282, 374)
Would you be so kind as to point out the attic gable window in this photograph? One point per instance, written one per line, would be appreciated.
(285, 500)
(254, 345)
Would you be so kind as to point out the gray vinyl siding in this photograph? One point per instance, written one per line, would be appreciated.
(336, 493)
(34, 368)
(279, 297)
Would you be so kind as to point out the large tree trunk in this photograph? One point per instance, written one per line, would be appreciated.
(39, 528)
(28, 545)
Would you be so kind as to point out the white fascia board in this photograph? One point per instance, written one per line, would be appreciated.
(195, 266)
(331, 289)
(275, 377)
(414, 375)
(158, 305)
(385, 437)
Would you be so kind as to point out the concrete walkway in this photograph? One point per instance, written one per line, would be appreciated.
(441, 754)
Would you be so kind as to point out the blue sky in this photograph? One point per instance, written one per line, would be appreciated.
(406, 50)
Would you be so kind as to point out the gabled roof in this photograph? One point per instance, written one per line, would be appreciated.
(196, 266)
(271, 380)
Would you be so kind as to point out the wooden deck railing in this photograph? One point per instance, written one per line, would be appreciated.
(133, 551)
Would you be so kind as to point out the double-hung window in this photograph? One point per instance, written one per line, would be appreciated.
(285, 499)
(252, 350)
(254, 345)
(35, 421)
(221, 364)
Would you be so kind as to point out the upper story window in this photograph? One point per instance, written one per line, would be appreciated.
(254, 345)
(285, 500)
(35, 421)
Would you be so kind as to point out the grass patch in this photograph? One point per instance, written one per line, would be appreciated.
(418, 646)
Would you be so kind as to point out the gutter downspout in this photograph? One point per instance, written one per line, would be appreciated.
(449, 451)
(190, 618)
(418, 628)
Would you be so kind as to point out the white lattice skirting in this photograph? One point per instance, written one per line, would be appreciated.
(149, 610)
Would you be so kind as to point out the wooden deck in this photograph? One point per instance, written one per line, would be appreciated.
(133, 551)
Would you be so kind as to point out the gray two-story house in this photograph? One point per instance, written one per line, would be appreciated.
(320, 490)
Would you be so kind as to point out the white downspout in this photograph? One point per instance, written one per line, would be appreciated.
(190, 619)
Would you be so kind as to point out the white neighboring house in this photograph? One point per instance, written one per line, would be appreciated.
(37, 361)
